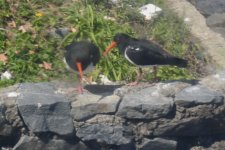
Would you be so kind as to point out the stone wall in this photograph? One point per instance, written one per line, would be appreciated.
(162, 116)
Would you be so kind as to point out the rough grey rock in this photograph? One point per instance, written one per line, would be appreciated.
(88, 105)
(44, 111)
(145, 104)
(158, 144)
(192, 126)
(8, 98)
(58, 32)
(209, 143)
(171, 88)
(219, 30)
(216, 20)
(109, 120)
(217, 145)
(8, 95)
(33, 143)
(112, 135)
(123, 90)
(198, 120)
(2, 116)
(197, 95)
(215, 82)
(207, 7)
(168, 89)
(5, 128)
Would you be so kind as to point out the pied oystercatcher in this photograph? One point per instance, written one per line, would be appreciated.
(143, 53)
(81, 57)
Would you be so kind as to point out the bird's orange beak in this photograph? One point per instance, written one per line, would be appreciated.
(109, 48)
(79, 67)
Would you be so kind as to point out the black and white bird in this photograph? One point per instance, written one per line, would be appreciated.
(143, 53)
(81, 57)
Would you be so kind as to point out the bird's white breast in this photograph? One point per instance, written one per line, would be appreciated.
(125, 54)
(67, 66)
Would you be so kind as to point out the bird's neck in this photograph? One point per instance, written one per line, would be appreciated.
(122, 47)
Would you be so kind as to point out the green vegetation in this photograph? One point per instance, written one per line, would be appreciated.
(32, 56)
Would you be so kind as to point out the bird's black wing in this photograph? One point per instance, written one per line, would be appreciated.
(154, 48)
(95, 54)
(143, 52)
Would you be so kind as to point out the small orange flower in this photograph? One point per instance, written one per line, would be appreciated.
(38, 14)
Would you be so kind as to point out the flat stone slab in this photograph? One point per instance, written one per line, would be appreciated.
(147, 103)
(88, 105)
(112, 135)
(197, 95)
(158, 144)
(43, 110)
(190, 127)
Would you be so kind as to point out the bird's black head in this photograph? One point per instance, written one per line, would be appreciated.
(121, 37)
(118, 40)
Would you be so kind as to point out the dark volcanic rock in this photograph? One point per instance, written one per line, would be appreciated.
(5, 128)
(158, 144)
(219, 30)
(87, 105)
(33, 143)
(209, 7)
(197, 95)
(193, 126)
(214, 11)
(2, 116)
(44, 111)
(112, 135)
(215, 82)
(145, 104)
(216, 20)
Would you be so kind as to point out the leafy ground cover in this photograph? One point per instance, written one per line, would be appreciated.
(31, 56)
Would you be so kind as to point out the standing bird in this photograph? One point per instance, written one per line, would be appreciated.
(143, 53)
(81, 57)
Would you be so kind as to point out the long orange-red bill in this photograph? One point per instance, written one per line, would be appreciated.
(79, 67)
(109, 48)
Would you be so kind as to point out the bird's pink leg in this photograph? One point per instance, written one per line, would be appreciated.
(79, 89)
(155, 79)
(138, 78)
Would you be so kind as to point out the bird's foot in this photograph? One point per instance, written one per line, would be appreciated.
(156, 79)
(133, 83)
